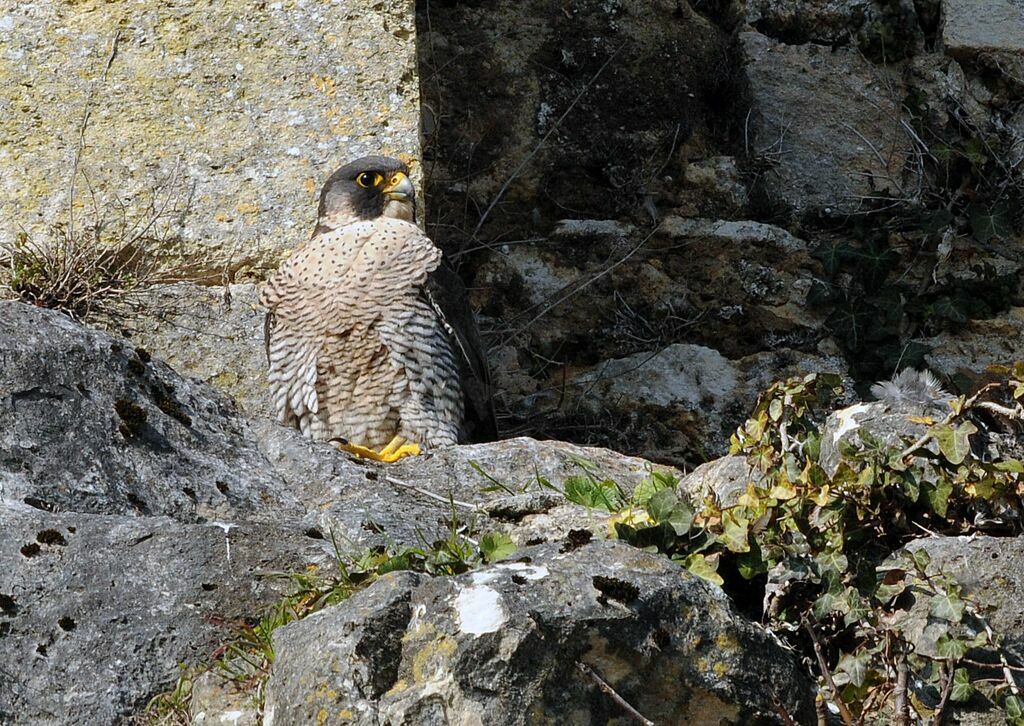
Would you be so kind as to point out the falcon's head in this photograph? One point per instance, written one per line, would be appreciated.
(367, 188)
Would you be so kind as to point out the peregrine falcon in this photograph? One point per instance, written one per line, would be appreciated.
(369, 339)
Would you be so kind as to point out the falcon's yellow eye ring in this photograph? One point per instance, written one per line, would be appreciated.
(369, 180)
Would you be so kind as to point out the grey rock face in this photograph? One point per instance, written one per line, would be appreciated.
(974, 26)
(212, 333)
(89, 424)
(232, 114)
(703, 393)
(991, 570)
(875, 26)
(141, 514)
(879, 420)
(503, 644)
(498, 486)
(826, 125)
(97, 611)
(724, 480)
(981, 343)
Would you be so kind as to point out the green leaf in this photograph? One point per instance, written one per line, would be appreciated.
(775, 409)
(947, 308)
(921, 559)
(1014, 707)
(660, 536)
(855, 666)
(954, 442)
(989, 223)
(751, 564)
(681, 518)
(962, 689)
(734, 532)
(592, 493)
(938, 495)
(826, 604)
(703, 568)
(951, 647)
(832, 253)
(856, 607)
(947, 606)
(660, 505)
(1011, 465)
(831, 560)
(496, 546)
(401, 561)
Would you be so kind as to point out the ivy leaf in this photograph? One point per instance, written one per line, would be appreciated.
(1011, 465)
(734, 532)
(892, 582)
(947, 606)
(911, 487)
(962, 689)
(681, 518)
(830, 560)
(856, 608)
(704, 568)
(938, 495)
(946, 308)
(1014, 708)
(496, 546)
(855, 666)
(921, 560)
(951, 647)
(989, 223)
(751, 564)
(660, 505)
(954, 442)
(832, 253)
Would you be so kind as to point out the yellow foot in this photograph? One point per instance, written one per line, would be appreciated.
(391, 453)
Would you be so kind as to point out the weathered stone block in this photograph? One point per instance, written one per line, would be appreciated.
(229, 114)
(825, 125)
(977, 26)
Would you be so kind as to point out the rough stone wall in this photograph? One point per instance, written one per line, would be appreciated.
(834, 184)
(225, 116)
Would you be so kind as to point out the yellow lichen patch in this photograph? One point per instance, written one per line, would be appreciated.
(247, 208)
(222, 217)
(400, 685)
(339, 124)
(429, 662)
(346, 714)
(324, 84)
(309, 185)
(726, 641)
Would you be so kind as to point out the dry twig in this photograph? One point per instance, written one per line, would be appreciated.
(600, 682)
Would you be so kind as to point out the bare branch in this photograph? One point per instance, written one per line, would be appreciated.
(600, 682)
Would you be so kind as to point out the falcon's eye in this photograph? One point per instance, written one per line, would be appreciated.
(368, 180)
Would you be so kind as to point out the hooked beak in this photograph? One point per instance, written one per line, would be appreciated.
(399, 188)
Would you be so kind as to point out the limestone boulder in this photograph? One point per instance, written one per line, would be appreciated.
(542, 638)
